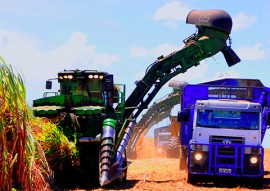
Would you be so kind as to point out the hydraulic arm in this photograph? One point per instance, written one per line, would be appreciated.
(214, 27)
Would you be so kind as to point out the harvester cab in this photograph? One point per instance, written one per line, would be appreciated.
(89, 83)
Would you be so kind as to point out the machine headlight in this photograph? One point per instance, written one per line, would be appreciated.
(253, 160)
(159, 150)
(198, 156)
(96, 76)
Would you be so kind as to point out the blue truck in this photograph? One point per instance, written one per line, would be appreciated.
(223, 127)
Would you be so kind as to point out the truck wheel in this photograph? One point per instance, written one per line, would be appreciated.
(183, 158)
(191, 178)
(173, 147)
(256, 182)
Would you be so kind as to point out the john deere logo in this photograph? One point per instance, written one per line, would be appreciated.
(227, 142)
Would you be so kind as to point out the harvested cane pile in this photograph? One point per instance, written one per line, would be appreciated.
(23, 165)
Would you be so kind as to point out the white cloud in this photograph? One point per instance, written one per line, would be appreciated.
(172, 11)
(73, 53)
(194, 73)
(226, 74)
(198, 74)
(242, 20)
(104, 60)
(251, 53)
(164, 49)
(171, 24)
(36, 65)
(136, 51)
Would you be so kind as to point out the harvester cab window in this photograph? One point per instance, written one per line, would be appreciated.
(93, 87)
(66, 87)
(79, 89)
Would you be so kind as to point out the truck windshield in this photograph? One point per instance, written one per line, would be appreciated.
(227, 119)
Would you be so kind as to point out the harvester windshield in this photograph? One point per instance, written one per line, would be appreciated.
(78, 87)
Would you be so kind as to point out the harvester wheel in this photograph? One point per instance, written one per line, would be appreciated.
(173, 147)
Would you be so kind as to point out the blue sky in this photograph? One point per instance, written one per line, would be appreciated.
(123, 37)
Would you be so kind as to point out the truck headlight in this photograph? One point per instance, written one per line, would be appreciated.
(159, 150)
(198, 156)
(253, 160)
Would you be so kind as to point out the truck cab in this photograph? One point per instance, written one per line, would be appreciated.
(223, 127)
(226, 138)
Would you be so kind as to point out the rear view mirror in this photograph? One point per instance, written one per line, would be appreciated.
(179, 117)
(48, 84)
(267, 119)
(184, 116)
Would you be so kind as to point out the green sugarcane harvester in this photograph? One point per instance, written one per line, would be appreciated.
(99, 119)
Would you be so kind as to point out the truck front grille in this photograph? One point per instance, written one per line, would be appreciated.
(226, 139)
(226, 150)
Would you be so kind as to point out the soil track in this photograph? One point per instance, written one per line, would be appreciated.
(150, 171)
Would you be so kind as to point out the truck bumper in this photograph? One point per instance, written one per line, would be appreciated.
(226, 160)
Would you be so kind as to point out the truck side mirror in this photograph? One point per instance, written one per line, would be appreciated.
(268, 119)
(186, 115)
(179, 117)
(48, 84)
(183, 116)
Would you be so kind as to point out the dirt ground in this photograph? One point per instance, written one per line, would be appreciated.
(151, 171)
